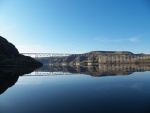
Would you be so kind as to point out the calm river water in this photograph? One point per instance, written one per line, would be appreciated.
(78, 93)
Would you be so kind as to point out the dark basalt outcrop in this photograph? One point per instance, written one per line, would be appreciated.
(9, 55)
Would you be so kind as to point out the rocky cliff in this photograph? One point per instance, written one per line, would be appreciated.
(9, 55)
(98, 57)
(92, 57)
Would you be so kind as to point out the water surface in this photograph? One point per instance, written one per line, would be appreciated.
(78, 93)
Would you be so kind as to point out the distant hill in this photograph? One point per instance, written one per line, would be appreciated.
(109, 52)
(98, 57)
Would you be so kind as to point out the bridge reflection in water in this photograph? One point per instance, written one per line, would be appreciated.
(99, 70)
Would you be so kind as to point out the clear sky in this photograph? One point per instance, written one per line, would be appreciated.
(76, 26)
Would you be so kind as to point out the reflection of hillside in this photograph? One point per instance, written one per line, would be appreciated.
(99, 70)
(10, 75)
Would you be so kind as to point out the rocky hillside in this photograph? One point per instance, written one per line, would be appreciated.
(92, 56)
(9, 55)
(98, 57)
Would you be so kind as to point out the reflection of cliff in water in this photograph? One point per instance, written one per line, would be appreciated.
(99, 70)
(9, 76)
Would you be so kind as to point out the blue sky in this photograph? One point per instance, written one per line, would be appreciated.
(76, 26)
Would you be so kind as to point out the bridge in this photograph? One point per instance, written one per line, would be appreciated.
(91, 59)
(37, 55)
(50, 56)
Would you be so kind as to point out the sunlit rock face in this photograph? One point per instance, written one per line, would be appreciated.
(9, 55)
(98, 57)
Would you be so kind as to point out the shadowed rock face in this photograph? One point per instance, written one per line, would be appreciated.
(9, 76)
(8, 48)
(9, 55)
